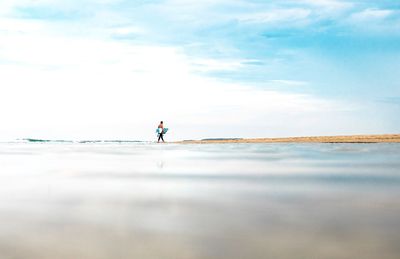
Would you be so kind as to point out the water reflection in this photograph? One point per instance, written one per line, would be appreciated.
(211, 201)
(160, 164)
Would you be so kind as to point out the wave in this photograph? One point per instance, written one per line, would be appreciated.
(34, 140)
(110, 141)
(42, 140)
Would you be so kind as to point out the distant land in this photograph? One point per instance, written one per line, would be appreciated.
(385, 138)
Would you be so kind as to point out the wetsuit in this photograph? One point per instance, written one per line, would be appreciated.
(160, 135)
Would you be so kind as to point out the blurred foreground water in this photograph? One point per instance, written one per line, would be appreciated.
(145, 201)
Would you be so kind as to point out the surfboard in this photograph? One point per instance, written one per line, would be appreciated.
(158, 130)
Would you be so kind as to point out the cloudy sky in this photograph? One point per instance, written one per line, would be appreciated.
(112, 69)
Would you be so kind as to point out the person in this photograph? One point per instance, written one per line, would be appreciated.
(161, 131)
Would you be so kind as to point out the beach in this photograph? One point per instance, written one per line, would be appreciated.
(247, 200)
(175, 129)
(384, 138)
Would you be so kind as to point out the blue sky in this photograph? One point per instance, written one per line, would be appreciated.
(113, 69)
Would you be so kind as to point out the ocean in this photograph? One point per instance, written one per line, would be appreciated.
(120, 199)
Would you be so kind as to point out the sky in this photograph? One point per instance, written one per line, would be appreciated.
(112, 69)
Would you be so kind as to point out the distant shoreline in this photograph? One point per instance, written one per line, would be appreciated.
(384, 138)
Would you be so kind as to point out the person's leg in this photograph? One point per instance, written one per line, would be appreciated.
(159, 136)
(162, 137)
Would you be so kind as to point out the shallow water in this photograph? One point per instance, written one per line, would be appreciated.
(144, 200)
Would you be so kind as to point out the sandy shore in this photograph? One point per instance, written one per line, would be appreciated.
(386, 138)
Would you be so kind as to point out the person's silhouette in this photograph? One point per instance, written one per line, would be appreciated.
(161, 131)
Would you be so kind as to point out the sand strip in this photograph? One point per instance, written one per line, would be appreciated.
(386, 138)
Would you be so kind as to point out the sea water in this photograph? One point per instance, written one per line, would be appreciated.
(98, 200)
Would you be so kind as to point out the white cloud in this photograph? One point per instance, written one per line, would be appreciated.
(375, 21)
(71, 87)
(328, 9)
(15, 26)
(371, 14)
(332, 5)
(58, 84)
(208, 64)
(289, 82)
(127, 30)
(276, 16)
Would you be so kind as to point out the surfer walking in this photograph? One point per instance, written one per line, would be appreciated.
(161, 131)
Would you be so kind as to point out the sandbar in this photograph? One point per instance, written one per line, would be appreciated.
(382, 138)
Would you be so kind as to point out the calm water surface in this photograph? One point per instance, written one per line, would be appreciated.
(144, 200)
